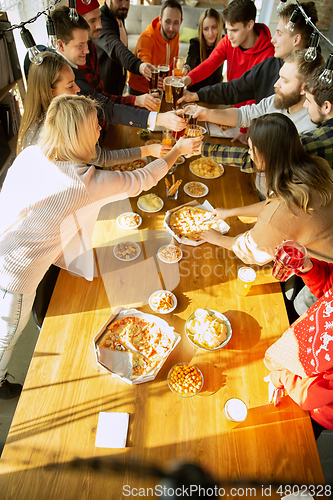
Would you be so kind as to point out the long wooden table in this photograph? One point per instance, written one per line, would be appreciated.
(51, 442)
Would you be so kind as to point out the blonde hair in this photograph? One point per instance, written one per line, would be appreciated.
(203, 46)
(41, 80)
(67, 132)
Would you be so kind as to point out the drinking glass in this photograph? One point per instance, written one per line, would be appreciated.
(158, 95)
(289, 256)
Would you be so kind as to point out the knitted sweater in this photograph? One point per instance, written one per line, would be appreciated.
(301, 361)
(44, 205)
(152, 48)
(277, 223)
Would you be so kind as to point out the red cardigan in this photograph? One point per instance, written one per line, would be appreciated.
(313, 332)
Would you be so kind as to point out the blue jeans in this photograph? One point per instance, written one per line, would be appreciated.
(15, 309)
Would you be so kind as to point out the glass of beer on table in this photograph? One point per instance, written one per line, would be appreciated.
(193, 130)
(178, 64)
(177, 88)
(245, 278)
(153, 82)
(158, 95)
(167, 87)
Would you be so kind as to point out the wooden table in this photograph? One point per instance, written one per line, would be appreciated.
(56, 419)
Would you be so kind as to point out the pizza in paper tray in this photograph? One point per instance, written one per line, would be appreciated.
(129, 167)
(140, 342)
(189, 222)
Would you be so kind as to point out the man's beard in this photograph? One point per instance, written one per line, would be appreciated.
(118, 13)
(166, 35)
(286, 101)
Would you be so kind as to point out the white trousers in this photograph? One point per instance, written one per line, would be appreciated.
(15, 309)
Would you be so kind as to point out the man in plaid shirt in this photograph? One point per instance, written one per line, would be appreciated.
(92, 14)
(319, 142)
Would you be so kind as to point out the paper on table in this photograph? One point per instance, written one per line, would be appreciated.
(112, 430)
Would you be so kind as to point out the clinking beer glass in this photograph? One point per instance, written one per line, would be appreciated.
(288, 257)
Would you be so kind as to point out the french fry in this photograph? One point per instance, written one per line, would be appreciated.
(167, 183)
(174, 188)
(173, 179)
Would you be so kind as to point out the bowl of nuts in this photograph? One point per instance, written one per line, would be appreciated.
(126, 251)
(185, 380)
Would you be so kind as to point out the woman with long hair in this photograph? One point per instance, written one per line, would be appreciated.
(52, 78)
(209, 35)
(49, 202)
(300, 196)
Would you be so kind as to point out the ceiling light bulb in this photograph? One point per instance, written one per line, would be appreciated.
(281, 6)
(34, 54)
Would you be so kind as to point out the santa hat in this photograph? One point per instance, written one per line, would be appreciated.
(83, 8)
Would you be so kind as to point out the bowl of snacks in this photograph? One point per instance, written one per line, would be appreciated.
(180, 160)
(208, 329)
(129, 220)
(162, 302)
(185, 380)
(126, 251)
(196, 189)
(150, 203)
(206, 168)
(170, 254)
(143, 133)
(153, 141)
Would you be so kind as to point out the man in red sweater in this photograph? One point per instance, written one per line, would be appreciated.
(246, 44)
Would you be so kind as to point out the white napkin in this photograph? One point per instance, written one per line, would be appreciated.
(112, 430)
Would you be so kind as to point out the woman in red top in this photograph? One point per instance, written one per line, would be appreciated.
(301, 361)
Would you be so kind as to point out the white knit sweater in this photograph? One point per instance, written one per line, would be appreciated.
(42, 206)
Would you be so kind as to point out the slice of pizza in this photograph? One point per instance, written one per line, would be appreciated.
(189, 222)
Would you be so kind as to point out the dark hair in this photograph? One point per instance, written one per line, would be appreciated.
(240, 11)
(321, 91)
(291, 173)
(304, 68)
(64, 26)
(301, 27)
(173, 4)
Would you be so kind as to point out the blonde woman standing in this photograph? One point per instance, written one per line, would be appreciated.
(41, 218)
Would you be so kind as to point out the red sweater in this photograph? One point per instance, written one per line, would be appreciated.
(301, 361)
(238, 60)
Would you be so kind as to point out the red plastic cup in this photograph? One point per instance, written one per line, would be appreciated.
(289, 256)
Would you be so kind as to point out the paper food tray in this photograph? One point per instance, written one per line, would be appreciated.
(215, 131)
(118, 363)
(223, 226)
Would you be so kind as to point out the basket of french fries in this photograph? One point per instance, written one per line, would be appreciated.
(172, 189)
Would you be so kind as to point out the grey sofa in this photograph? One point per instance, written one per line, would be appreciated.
(139, 16)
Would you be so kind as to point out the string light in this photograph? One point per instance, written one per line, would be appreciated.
(72, 14)
(281, 6)
(327, 76)
(311, 53)
(291, 23)
(34, 54)
(51, 32)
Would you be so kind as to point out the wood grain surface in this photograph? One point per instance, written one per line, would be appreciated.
(51, 445)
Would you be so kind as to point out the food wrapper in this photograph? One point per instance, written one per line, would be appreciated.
(222, 225)
(215, 130)
(119, 363)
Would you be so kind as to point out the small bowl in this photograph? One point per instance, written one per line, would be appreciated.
(117, 247)
(143, 133)
(183, 394)
(163, 311)
(170, 254)
(129, 214)
(225, 321)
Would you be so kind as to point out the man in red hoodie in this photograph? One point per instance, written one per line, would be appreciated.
(158, 44)
(246, 44)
